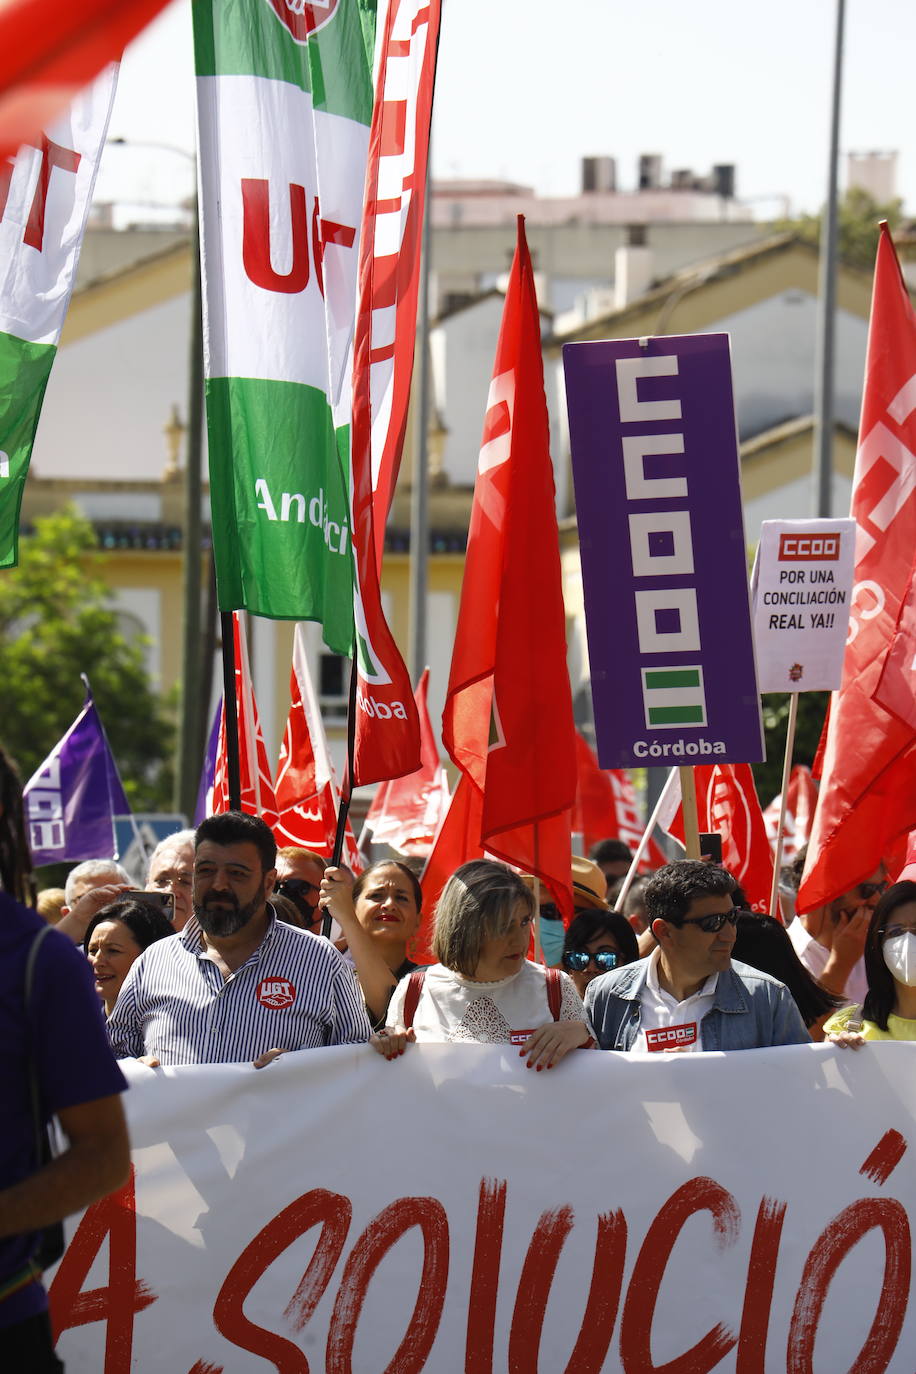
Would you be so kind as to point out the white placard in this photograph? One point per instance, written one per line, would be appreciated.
(801, 591)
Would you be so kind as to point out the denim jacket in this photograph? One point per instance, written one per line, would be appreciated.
(750, 1010)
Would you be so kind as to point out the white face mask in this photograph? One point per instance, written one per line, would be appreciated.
(900, 957)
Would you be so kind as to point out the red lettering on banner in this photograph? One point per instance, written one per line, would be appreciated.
(488, 1243)
(256, 255)
(827, 1253)
(758, 1292)
(112, 1218)
(52, 155)
(534, 1288)
(382, 1233)
(885, 1157)
(333, 1211)
(325, 231)
(697, 1195)
(603, 1300)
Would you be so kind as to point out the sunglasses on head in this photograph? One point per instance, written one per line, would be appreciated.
(715, 922)
(578, 960)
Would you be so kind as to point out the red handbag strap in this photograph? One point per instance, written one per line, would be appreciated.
(554, 992)
(412, 996)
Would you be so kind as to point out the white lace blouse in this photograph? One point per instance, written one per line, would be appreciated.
(454, 1008)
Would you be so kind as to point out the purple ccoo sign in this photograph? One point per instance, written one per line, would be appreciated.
(661, 534)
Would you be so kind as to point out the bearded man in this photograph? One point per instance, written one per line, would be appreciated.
(235, 984)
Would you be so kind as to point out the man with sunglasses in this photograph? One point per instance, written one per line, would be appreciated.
(687, 994)
(299, 875)
(830, 941)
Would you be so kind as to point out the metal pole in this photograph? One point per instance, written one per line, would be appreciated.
(419, 492)
(230, 712)
(192, 725)
(826, 317)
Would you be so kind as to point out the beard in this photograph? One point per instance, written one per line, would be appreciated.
(220, 915)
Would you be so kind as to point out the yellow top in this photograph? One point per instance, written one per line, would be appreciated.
(898, 1027)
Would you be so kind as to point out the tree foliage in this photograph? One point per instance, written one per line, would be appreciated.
(57, 620)
(858, 217)
(812, 708)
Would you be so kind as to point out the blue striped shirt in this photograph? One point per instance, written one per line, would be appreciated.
(294, 992)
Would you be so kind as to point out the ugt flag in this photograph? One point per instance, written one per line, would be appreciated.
(73, 798)
(44, 202)
(284, 104)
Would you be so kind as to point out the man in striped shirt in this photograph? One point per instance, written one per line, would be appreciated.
(235, 984)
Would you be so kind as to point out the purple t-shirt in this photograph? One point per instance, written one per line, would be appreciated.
(64, 1034)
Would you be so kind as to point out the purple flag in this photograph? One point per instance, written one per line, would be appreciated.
(208, 772)
(73, 798)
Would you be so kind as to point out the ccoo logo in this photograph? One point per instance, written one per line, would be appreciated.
(304, 19)
(276, 993)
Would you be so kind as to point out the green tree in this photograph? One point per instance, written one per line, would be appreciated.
(812, 707)
(858, 217)
(57, 620)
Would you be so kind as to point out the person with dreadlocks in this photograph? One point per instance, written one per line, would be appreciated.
(47, 999)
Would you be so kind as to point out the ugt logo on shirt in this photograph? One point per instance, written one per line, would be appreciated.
(276, 992)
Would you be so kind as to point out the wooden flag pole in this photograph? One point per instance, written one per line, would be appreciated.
(689, 806)
(230, 710)
(783, 800)
(343, 809)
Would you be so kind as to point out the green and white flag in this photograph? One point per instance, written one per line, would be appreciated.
(284, 107)
(44, 201)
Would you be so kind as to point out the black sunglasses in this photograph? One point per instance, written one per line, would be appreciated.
(713, 923)
(295, 888)
(578, 960)
(866, 890)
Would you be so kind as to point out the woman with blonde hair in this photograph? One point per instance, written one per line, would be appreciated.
(484, 989)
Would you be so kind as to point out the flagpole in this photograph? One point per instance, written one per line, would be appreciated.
(689, 804)
(826, 315)
(783, 802)
(346, 791)
(646, 836)
(230, 710)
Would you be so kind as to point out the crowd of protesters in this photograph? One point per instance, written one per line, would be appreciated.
(237, 952)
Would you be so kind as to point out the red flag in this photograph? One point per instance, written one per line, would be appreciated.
(306, 786)
(800, 804)
(727, 802)
(257, 789)
(867, 798)
(457, 842)
(387, 742)
(49, 53)
(508, 720)
(606, 807)
(407, 812)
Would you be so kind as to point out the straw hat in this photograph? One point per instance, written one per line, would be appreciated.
(588, 883)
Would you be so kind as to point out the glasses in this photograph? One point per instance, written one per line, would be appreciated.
(715, 922)
(866, 890)
(297, 889)
(894, 932)
(578, 960)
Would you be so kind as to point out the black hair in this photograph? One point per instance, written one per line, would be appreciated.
(763, 942)
(588, 924)
(882, 992)
(15, 859)
(237, 827)
(610, 852)
(670, 891)
(144, 921)
(363, 879)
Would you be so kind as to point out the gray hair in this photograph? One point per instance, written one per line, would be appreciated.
(108, 869)
(478, 902)
(177, 837)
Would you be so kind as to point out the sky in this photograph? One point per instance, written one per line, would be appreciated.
(526, 88)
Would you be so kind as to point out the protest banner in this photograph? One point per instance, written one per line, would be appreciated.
(454, 1211)
(658, 499)
(801, 592)
(44, 203)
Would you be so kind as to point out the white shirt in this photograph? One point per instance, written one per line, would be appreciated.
(814, 957)
(660, 1012)
(454, 1008)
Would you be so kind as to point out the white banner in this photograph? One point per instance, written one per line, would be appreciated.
(452, 1210)
(801, 591)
